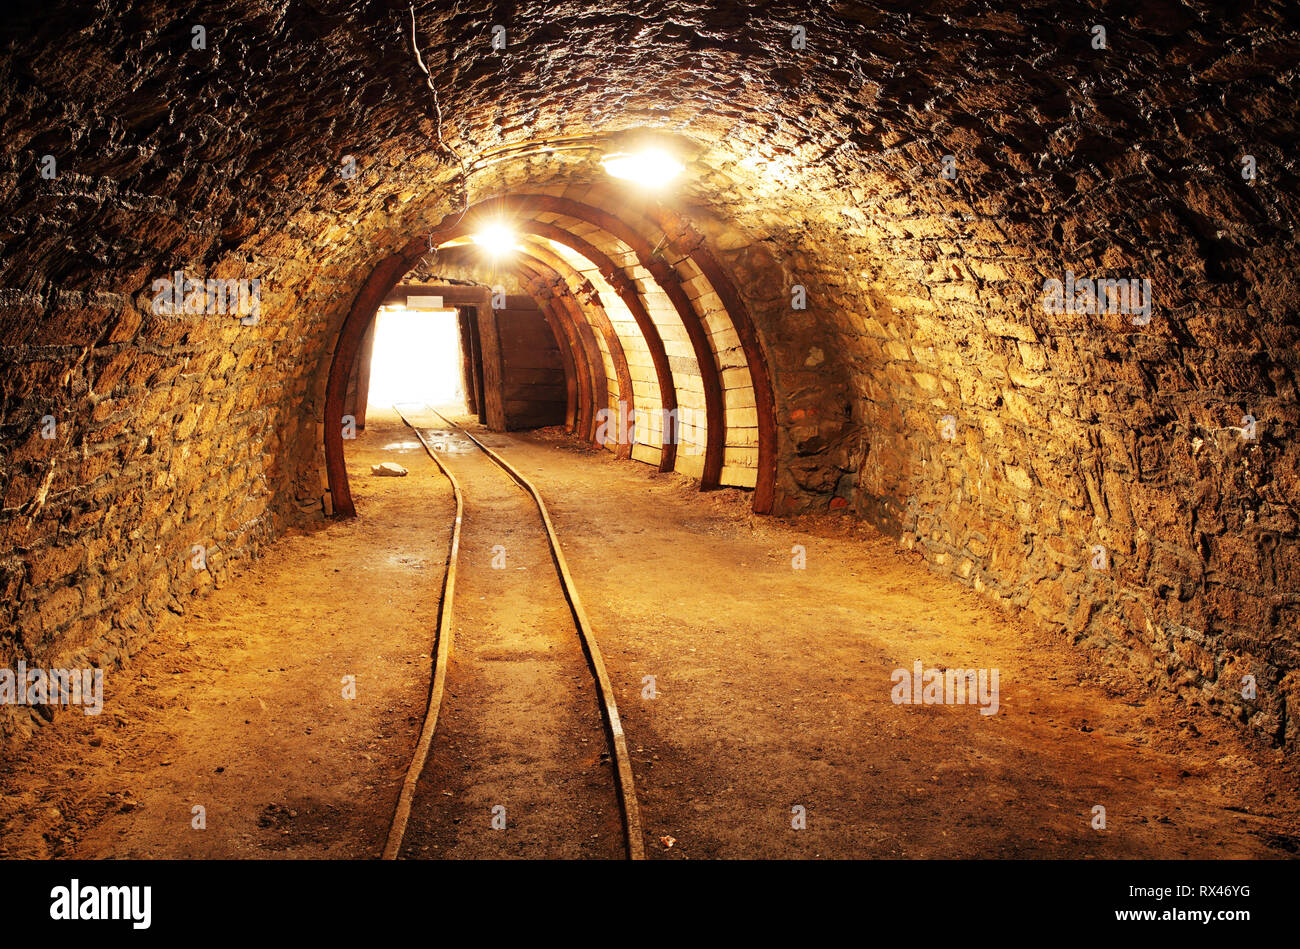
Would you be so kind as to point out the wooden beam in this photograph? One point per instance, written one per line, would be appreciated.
(452, 294)
(493, 375)
(467, 369)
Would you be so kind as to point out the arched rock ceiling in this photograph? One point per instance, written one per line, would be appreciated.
(245, 138)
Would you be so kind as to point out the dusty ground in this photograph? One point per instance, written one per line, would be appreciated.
(773, 691)
(238, 706)
(520, 728)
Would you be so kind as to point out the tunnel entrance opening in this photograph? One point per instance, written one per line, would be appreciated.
(416, 357)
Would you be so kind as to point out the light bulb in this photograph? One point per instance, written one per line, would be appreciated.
(652, 168)
(496, 240)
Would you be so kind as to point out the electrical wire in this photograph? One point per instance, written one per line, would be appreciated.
(462, 180)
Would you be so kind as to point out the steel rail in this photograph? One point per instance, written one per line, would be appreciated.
(442, 655)
(623, 778)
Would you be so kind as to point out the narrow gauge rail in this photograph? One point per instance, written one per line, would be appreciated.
(623, 778)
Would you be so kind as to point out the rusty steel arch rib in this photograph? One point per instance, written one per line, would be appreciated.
(596, 313)
(551, 285)
(544, 287)
(572, 382)
(595, 384)
(622, 285)
(382, 279)
(574, 396)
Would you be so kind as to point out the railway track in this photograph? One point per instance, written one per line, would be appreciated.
(438, 434)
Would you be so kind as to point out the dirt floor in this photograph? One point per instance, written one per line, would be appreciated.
(238, 707)
(771, 694)
(520, 727)
(774, 692)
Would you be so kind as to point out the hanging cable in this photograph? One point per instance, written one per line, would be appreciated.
(462, 180)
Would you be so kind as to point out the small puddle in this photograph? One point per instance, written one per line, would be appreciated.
(446, 441)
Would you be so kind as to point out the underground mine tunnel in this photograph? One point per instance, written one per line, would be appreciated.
(679, 430)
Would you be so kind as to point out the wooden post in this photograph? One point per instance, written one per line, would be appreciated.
(493, 379)
(364, 356)
(467, 373)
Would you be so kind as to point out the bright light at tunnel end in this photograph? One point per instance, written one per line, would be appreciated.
(651, 168)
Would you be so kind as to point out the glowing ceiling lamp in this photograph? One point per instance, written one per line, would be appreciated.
(652, 168)
(496, 239)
